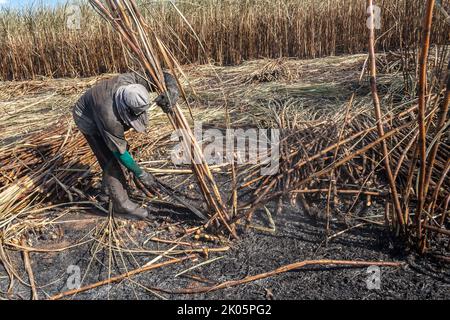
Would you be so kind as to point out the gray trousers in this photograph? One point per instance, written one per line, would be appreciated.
(113, 182)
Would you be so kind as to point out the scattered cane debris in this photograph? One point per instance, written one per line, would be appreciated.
(389, 151)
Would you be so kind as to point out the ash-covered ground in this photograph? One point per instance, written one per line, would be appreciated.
(297, 237)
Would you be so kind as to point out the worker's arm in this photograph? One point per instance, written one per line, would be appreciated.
(127, 160)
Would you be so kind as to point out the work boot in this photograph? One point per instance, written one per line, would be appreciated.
(130, 208)
(116, 188)
(103, 196)
(122, 205)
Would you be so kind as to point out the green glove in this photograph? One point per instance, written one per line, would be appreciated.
(127, 160)
(147, 179)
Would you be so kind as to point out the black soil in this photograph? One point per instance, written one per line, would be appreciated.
(297, 237)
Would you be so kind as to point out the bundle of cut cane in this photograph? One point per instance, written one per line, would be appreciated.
(149, 51)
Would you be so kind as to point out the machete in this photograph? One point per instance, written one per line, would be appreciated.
(171, 193)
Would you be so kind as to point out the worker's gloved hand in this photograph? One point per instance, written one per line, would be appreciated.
(148, 180)
(167, 100)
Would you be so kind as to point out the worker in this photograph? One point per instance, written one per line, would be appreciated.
(103, 114)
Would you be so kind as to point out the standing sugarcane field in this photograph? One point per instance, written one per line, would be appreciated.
(224, 150)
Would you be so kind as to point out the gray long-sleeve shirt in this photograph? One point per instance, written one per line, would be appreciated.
(95, 114)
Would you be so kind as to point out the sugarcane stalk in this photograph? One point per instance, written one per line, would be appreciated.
(261, 200)
(426, 35)
(378, 116)
(440, 125)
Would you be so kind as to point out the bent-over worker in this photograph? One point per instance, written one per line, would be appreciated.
(103, 114)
